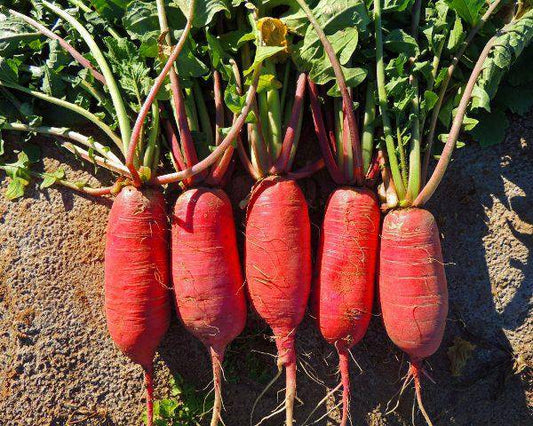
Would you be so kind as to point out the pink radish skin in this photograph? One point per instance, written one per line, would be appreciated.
(278, 266)
(137, 300)
(207, 276)
(346, 264)
(412, 286)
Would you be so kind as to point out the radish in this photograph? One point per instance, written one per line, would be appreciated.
(343, 289)
(346, 262)
(412, 286)
(137, 300)
(206, 273)
(278, 267)
(278, 230)
(412, 281)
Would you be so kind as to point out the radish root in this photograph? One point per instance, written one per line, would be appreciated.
(415, 371)
(344, 365)
(290, 392)
(217, 358)
(149, 383)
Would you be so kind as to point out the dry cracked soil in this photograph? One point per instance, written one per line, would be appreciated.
(58, 366)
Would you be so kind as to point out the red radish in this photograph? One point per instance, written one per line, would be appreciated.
(278, 266)
(137, 300)
(412, 286)
(207, 274)
(343, 291)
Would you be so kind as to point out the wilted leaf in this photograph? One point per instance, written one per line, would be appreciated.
(458, 354)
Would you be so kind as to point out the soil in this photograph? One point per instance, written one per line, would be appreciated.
(58, 366)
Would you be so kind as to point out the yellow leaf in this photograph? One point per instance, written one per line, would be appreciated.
(459, 353)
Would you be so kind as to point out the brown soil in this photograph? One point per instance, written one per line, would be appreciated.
(58, 365)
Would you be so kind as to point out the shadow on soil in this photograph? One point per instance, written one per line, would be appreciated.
(489, 390)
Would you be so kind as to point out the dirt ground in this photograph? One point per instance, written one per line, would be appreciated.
(58, 366)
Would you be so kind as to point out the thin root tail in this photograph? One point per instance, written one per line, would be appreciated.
(149, 383)
(217, 357)
(415, 371)
(290, 392)
(344, 368)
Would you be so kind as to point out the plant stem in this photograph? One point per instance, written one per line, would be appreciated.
(322, 135)
(401, 150)
(284, 88)
(177, 101)
(339, 122)
(68, 134)
(149, 152)
(68, 105)
(62, 42)
(95, 159)
(136, 133)
(71, 185)
(413, 186)
(457, 124)
(228, 140)
(446, 82)
(341, 81)
(95, 93)
(281, 166)
(118, 103)
(203, 115)
(367, 140)
(382, 101)
(308, 170)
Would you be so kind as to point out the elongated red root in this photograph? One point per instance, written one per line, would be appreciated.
(287, 359)
(344, 368)
(414, 371)
(217, 357)
(149, 383)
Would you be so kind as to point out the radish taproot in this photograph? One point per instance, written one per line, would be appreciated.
(137, 298)
(343, 290)
(278, 267)
(206, 273)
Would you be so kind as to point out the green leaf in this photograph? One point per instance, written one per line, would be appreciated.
(110, 9)
(507, 48)
(399, 41)
(518, 100)
(491, 128)
(429, 101)
(50, 179)
(14, 34)
(261, 54)
(354, 77)
(205, 10)
(468, 10)
(15, 188)
(9, 70)
(457, 36)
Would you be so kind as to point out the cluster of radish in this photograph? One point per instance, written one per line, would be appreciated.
(196, 254)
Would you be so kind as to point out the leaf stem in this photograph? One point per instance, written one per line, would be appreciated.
(116, 97)
(281, 166)
(68, 105)
(382, 101)
(150, 150)
(446, 82)
(62, 42)
(457, 124)
(220, 149)
(341, 81)
(322, 135)
(136, 133)
(367, 140)
(413, 187)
